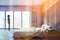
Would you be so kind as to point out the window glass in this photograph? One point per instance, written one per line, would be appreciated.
(17, 19)
(2, 19)
(11, 19)
(26, 19)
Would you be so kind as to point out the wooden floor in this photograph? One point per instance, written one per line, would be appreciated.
(50, 35)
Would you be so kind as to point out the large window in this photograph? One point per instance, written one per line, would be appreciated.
(11, 19)
(26, 19)
(2, 19)
(18, 19)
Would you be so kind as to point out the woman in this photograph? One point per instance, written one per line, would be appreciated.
(8, 22)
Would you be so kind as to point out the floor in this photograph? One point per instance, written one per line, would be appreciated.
(8, 35)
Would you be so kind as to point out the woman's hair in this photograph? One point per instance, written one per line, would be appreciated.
(8, 15)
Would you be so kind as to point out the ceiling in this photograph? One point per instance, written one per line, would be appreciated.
(21, 2)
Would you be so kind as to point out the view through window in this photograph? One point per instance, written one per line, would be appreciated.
(18, 19)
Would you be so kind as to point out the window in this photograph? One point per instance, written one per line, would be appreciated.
(2, 19)
(11, 18)
(18, 19)
(26, 19)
